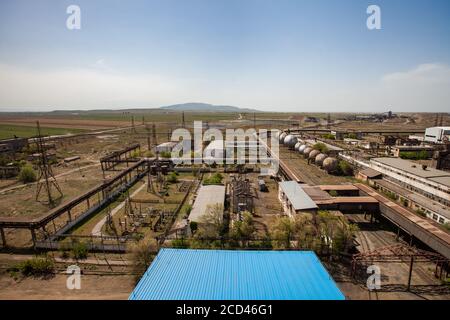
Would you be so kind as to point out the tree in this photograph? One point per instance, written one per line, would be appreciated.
(243, 230)
(142, 253)
(282, 232)
(212, 220)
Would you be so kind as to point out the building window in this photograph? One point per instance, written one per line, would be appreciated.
(441, 220)
(435, 217)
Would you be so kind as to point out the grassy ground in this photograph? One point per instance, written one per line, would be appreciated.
(9, 131)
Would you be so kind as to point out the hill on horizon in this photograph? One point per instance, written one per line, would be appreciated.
(205, 107)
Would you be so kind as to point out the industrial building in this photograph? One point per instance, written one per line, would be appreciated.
(432, 183)
(398, 150)
(206, 196)
(294, 199)
(416, 202)
(183, 274)
(437, 134)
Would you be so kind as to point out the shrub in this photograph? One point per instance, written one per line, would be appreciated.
(321, 147)
(194, 226)
(328, 136)
(214, 179)
(165, 154)
(447, 226)
(27, 174)
(79, 250)
(149, 154)
(39, 266)
(172, 178)
(344, 168)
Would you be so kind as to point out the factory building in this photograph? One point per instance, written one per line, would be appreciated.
(294, 199)
(437, 134)
(432, 183)
(419, 203)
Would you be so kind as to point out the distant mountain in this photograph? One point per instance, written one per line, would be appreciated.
(205, 107)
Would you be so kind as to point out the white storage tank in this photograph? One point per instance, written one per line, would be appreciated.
(320, 158)
(313, 154)
(302, 148)
(290, 140)
(282, 136)
(307, 151)
(330, 164)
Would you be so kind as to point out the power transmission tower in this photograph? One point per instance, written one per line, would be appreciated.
(328, 120)
(133, 128)
(149, 146)
(441, 120)
(46, 178)
(182, 120)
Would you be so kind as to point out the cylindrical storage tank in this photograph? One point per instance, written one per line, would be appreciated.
(330, 164)
(297, 145)
(282, 136)
(290, 140)
(320, 158)
(302, 148)
(307, 151)
(313, 154)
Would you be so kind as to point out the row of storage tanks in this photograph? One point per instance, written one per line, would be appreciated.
(321, 159)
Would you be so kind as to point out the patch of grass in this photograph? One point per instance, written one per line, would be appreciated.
(9, 131)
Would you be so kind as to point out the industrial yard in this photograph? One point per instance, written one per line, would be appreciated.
(109, 201)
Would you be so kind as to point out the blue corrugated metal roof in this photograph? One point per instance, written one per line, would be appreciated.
(185, 274)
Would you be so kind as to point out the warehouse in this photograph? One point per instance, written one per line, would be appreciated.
(207, 196)
(294, 199)
(184, 274)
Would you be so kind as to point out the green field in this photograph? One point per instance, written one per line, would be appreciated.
(9, 131)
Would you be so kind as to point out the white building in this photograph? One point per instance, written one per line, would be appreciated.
(432, 183)
(294, 199)
(437, 134)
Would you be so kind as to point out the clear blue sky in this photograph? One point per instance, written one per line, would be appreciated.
(282, 55)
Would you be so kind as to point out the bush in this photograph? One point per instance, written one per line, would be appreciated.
(194, 226)
(165, 154)
(447, 226)
(329, 136)
(214, 179)
(35, 267)
(79, 250)
(27, 174)
(172, 178)
(321, 147)
(344, 168)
